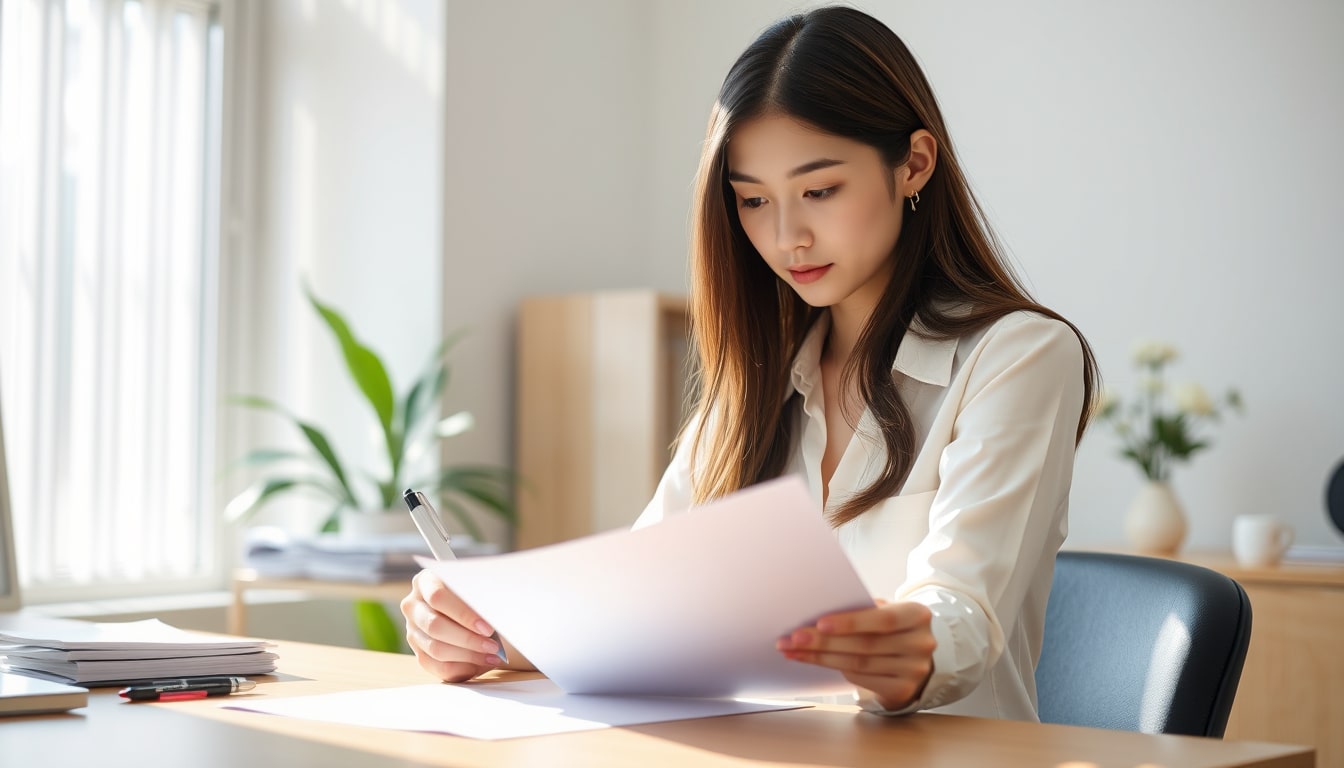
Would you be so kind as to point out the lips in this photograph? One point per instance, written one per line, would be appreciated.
(808, 273)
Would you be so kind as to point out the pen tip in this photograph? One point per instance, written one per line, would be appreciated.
(409, 498)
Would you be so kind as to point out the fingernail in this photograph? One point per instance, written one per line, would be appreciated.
(491, 661)
(489, 646)
(783, 644)
(484, 628)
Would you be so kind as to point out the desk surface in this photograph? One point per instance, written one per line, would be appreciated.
(113, 733)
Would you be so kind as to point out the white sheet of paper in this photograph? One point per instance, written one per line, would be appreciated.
(497, 710)
(691, 606)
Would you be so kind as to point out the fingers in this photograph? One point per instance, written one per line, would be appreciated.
(887, 617)
(432, 592)
(900, 629)
(886, 648)
(449, 640)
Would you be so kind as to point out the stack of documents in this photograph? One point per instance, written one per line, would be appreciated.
(337, 557)
(128, 652)
(374, 559)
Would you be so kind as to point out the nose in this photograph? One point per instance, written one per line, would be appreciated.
(792, 230)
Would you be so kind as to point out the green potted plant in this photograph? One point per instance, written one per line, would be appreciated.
(409, 423)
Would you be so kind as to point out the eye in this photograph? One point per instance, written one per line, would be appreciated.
(820, 194)
(753, 202)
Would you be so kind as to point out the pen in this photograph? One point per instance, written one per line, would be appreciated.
(429, 523)
(194, 688)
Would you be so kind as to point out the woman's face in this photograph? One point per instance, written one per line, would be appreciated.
(820, 209)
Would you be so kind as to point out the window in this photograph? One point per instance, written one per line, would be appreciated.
(109, 177)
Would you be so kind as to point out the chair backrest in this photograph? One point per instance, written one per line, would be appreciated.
(1141, 644)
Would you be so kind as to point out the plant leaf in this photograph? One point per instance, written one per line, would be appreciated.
(315, 437)
(323, 447)
(261, 403)
(488, 486)
(256, 495)
(376, 627)
(264, 456)
(365, 367)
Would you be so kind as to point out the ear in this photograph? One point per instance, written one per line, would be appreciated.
(915, 172)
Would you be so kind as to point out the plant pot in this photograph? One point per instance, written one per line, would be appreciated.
(363, 523)
(1155, 523)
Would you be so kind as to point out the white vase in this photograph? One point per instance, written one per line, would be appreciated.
(1155, 523)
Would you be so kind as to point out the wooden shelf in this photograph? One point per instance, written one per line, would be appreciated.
(602, 382)
(247, 579)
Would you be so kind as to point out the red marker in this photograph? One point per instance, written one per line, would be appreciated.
(187, 688)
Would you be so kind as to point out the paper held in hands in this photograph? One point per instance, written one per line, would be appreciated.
(691, 606)
(674, 621)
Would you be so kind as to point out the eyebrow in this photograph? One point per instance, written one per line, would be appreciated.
(815, 165)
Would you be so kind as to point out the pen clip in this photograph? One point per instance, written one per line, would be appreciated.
(430, 525)
(433, 518)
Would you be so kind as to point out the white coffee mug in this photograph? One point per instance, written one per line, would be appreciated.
(1259, 540)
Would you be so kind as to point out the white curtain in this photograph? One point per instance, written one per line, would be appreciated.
(109, 178)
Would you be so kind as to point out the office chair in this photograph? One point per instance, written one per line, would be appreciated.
(1141, 644)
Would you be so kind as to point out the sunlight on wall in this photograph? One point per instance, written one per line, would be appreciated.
(404, 37)
(302, 150)
(1163, 672)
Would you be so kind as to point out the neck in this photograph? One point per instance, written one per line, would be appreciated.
(846, 326)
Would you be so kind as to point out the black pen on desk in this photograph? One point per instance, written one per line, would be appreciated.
(192, 688)
(429, 523)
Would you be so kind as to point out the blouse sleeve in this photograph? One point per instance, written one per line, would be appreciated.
(674, 493)
(1002, 498)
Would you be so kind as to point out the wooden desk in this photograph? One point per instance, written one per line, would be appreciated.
(245, 579)
(113, 733)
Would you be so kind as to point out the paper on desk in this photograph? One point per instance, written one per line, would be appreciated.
(691, 606)
(496, 710)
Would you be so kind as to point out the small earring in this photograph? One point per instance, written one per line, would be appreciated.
(914, 198)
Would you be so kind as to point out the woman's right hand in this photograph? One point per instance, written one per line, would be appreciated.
(450, 641)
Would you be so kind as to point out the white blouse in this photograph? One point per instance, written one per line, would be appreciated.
(974, 531)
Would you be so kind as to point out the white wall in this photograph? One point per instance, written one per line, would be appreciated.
(349, 140)
(1157, 169)
(547, 180)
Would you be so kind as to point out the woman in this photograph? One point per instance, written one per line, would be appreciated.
(856, 324)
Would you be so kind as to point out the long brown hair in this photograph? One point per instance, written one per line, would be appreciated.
(847, 74)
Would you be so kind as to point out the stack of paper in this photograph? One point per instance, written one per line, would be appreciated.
(338, 557)
(121, 653)
(373, 559)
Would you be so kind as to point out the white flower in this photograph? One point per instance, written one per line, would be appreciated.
(1153, 385)
(1191, 398)
(1153, 353)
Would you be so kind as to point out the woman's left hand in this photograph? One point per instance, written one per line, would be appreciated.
(887, 650)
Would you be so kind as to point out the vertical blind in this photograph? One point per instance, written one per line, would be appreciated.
(109, 171)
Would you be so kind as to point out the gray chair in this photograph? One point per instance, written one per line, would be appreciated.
(1141, 644)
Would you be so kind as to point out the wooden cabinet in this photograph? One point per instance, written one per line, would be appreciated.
(602, 387)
